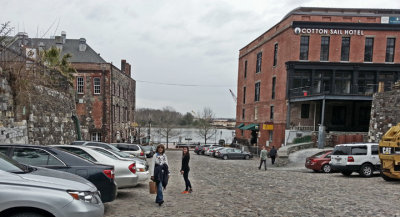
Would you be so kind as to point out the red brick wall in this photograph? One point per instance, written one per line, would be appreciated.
(94, 111)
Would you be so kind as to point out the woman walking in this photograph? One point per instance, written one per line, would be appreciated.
(160, 172)
(185, 170)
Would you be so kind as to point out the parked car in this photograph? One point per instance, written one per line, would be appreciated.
(39, 192)
(125, 171)
(203, 149)
(142, 169)
(134, 149)
(233, 153)
(97, 144)
(102, 176)
(216, 150)
(360, 157)
(210, 150)
(197, 149)
(320, 162)
(148, 151)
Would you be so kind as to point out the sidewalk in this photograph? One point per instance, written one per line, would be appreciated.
(296, 160)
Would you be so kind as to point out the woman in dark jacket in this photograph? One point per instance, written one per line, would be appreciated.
(159, 172)
(185, 170)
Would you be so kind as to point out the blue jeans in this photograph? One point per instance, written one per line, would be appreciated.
(159, 197)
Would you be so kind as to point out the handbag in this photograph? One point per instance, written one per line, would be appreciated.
(152, 187)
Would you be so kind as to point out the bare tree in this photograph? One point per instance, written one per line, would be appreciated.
(168, 122)
(205, 118)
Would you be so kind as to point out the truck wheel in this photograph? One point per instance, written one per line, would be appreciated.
(387, 178)
(366, 170)
(347, 173)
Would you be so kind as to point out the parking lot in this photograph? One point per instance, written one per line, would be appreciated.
(238, 188)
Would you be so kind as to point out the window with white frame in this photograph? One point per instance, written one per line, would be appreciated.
(96, 85)
(96, 137)
(79, 85)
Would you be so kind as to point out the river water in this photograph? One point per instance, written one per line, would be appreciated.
(190, 135)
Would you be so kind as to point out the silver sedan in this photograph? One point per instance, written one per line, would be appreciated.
(142, 169)
(125, 171)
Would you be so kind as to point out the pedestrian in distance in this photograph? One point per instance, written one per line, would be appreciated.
(272, 154)
(185, 170)
(263, 158)
(160, 172)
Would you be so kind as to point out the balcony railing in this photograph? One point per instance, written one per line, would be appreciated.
(349, 89)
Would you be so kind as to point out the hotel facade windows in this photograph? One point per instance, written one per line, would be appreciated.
(304, 45)
(369, 49)
(324, 56)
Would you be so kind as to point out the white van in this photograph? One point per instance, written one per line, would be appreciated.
(362, 158)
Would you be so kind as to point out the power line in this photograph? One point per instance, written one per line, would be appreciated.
(183, 85)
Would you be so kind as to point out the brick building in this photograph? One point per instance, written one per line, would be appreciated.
(316, 70)
(105, 95)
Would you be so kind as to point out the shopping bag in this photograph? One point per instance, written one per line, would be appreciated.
(152, 187)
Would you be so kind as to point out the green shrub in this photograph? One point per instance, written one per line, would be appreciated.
(302, 139)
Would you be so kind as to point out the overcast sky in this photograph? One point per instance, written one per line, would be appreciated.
(192, 42)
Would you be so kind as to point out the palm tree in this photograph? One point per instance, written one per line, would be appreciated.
(52, 58)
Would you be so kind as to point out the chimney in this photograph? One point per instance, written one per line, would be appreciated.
(123, 64)
(59, 42)
(63, 36)
(82, 44)
(128, 69)
(41, 46)
(23, 38)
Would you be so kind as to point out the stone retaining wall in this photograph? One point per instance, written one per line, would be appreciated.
(385, 113)
(43, 117)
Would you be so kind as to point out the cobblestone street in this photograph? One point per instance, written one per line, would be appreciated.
(238, 188)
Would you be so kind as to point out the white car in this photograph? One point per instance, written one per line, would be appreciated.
(142, 169)
(134, 149)
(211, 149)
(359, 157)
(125, 171)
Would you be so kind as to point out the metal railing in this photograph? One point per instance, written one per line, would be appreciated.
(348, 89)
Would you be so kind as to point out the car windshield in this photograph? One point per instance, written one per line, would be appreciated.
(147, 148)
(120, 153)
(319, 154)
(341, 150)
(114, 148)
(11, 166)
(106, 153)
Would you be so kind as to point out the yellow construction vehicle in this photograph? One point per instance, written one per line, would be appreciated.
(389, 154)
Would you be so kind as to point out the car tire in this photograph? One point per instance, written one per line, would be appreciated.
(225, 157)
(347, 173)
(27, 214)
(247, 157)
(366, 170)
(326, 168)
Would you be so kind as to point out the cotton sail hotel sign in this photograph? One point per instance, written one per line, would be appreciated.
(299, 30)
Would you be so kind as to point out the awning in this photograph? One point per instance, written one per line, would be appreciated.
(240, 126)
(251, 127)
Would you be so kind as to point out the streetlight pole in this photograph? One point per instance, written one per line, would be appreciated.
(149, 132)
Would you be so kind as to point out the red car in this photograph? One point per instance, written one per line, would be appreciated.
(319, 162)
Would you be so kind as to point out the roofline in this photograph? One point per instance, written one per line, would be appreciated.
(378, 11)
(297, 11)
